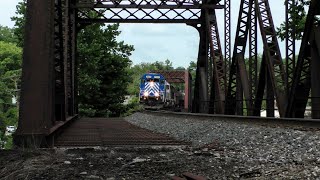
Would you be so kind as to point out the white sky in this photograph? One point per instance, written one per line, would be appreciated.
(176, 42)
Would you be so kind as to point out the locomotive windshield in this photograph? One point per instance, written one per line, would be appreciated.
(151, 80)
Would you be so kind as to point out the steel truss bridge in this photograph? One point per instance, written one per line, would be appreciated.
(225, 83)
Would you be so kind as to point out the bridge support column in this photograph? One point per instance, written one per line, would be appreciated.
(201, 94)
(315, 74)
(37, 87)
(187, 91)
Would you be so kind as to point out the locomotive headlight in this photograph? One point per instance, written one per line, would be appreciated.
(157, 94)
(146, 94)
(151, 84)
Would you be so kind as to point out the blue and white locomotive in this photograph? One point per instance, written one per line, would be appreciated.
(155, 91)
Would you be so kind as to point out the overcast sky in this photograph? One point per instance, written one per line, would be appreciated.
(158, 42)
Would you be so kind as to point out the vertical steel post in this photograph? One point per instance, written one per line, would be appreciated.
(315, 73)
(187, 86)
(212, 84)
(239, 95)
(270, 94)
(60, 73)
(238, 78)
(301, 84)
(72, 61)
(67, 48)
(37, 88)
(290, 40)
(217, 63)
(261, 87)
(272, 53)
(227, 39)
(253, 56)
(201, 94)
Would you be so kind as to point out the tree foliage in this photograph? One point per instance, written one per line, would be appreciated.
(103, 70)
(10, 71)
(7, 34)
(19, 20)
(298, 14)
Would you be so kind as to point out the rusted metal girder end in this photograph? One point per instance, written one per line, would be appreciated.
(31, 141)
(43, 139)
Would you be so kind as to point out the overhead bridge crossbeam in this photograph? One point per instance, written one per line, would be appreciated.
(143, 11)
(49, 81)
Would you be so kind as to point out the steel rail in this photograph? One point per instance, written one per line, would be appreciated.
(295, 122)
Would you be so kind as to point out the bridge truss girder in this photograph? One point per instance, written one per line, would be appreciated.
(49, 82)
(48, 79)
(143, 11)
(242, 83)
(306, 73)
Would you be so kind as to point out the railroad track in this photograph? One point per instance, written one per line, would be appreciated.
(293, 123)
(118, 132)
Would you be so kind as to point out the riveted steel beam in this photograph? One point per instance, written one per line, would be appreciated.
(59, 63)
(143, 11)
(301, 84)
(218, 69)
(227, 39)
(238, 78)
(272, 53)
(315, 74)
(147, 6)
(290, 40)
(253, 56)
(201, 93)
(36, 114)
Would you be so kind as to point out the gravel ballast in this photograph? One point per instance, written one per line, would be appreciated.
(253, 150)
(220, 149)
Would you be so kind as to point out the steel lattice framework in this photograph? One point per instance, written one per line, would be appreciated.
(253, 56)
(49, 83)
(142, 11)
(272, 52)
(306, 74)
(237, 67)
(227, 38)
(290, 40)
(218, 63)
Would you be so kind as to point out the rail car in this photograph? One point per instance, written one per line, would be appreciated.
(156, 92)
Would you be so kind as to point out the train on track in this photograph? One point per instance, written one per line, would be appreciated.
(157, 93)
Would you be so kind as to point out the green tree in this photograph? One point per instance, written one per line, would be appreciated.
(180, 68)
(7, 34)
(103, 70)
(192, 69)
(10, 72)
(298, 15)
(168, 64)
(19, 20)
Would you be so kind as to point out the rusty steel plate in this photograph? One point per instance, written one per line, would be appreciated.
(110, 132)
